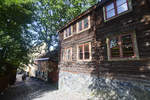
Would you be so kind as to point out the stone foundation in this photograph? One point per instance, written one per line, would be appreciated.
(103, 88)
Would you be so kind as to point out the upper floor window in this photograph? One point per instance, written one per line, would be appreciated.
(68, 32)
(84, 24)
(80, 26)
(115, 8)
(74, 28)
(122, 46)
(84, 51)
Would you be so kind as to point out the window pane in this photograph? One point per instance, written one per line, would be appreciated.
(111, 13)
(110, 6)
(86, 23)
(120, 2)
(66, 33)
(114, 47)
(69, 31)
(80, 25)
(69, 54)
(87, 55)
(74, 28)
(80, 52)
(127, 46)
(86, 51)
(122, 8)
(86, 47)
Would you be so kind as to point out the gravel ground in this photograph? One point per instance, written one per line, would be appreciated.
(33, 89)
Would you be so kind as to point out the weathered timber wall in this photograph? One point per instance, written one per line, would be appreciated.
(137, 20)
(73, 41)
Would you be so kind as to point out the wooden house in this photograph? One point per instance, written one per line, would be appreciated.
(48, 67)
(107, 48)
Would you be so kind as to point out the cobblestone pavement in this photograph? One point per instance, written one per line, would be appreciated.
(33, 89)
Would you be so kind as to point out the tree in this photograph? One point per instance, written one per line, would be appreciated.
(15, 38)
(51, 15)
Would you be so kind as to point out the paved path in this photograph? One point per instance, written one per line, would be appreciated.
(33, 89)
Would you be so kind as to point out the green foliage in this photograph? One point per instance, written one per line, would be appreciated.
(51, 15)
(15, 39)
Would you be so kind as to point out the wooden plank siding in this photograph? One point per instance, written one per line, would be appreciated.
(132, 21)
(137, 20)
(77, 39)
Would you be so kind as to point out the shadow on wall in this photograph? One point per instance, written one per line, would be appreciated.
(120, 80)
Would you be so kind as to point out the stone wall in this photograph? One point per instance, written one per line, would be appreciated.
(103, 88)
(70, 82)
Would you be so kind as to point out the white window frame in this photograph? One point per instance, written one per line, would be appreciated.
(90, 52)
(65, 54)
(127, 11)
(68, 32)
(83, 29)
(135, 47)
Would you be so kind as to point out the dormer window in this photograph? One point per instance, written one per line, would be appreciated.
(115, 8)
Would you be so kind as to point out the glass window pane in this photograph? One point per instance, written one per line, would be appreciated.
(80, 52)
(111, 13)
(114, 47)
(114, 42)
(74, 28)
(86, 51)
(127, 46)
(81, 56)
(87, 55)
(80, 25)
(120, 2)
(69, 31)
(122, 8)
(86, 47)
(66, 33)
(68, 54)
(110, 6)
(86, 23)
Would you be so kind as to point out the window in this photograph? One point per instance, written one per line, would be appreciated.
(84, 51)
(80, 25)
(84, 24)
(81, 52)
(74, 28)
(67, 32)
(122, 46)
(115, 8)
(67, 54)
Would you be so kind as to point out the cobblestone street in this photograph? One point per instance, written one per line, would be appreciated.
(33, 89)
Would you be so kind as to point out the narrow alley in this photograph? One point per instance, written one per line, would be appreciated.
(33, 89)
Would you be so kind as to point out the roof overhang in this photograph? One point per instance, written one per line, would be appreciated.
(83, 14)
